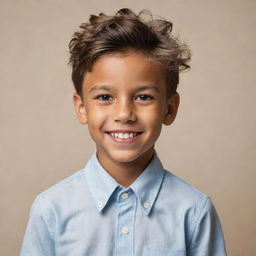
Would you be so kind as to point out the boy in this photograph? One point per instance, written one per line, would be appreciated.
(125, 72)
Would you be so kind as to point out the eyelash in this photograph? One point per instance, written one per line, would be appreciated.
(149, 97)
(100, 97)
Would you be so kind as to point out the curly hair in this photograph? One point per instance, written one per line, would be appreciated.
(123, 32)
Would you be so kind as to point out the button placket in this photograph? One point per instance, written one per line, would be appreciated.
(125, 195)
(125, 230)
(126, 203)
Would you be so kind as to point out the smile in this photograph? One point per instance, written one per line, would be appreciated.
(121, 135)
(124, 137)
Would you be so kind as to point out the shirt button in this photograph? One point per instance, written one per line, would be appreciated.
(125, 230)
(100, 204)
(146, 205)
(125, 195)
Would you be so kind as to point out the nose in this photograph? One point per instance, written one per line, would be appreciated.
(124, 111)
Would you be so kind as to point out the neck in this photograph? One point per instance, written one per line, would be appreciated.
(125, 173)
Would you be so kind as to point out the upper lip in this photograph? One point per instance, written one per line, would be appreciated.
(123, 131)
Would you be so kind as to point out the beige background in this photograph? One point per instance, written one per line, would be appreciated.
(211, 145)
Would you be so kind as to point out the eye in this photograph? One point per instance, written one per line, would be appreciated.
(104, 97)
(144, 97)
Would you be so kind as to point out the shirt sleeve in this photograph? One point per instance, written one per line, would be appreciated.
(207, 239)
(38, 239)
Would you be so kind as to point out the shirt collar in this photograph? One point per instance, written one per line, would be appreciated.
(101, 184)
(146, 187)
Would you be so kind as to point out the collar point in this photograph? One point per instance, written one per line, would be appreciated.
(146, 207)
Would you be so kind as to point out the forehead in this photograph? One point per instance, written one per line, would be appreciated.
(127, 69)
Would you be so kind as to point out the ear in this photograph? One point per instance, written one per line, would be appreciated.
(79, 108)
(171, 109)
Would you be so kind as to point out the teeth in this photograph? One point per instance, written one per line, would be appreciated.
(123, 135)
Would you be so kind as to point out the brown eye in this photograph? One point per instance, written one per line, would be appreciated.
(144, 97)
(104, 97)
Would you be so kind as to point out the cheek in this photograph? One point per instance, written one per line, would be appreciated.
(96, 121)
(153, 118)
(96, 118)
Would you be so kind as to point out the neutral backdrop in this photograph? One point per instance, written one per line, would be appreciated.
(211, 144)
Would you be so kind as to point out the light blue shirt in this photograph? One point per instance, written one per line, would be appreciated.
(90, 214)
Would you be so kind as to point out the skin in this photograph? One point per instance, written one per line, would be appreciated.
(125, 92)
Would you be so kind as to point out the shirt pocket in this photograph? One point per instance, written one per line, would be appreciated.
(149, 251)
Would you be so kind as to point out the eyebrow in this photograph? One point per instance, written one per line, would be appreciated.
(108, 88)
(147, 87)
(100, 87)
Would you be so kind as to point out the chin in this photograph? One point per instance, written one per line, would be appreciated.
(126, 156)
(123, 157)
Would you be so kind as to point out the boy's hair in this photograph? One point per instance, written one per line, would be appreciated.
(123, 32)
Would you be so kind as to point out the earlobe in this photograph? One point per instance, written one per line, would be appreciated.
(79, 108)
(171, 109)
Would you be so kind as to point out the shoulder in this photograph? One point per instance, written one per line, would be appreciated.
(186, 202)
(62, 192)
(66, 184)
(182, 196)
(181, 189)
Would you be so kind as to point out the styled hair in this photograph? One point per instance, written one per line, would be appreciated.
(123, 32)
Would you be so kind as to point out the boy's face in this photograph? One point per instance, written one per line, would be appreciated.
(124, 105)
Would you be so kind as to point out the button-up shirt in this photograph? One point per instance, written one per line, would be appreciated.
(90, 214)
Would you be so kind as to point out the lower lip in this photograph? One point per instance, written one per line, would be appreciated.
(124, 141)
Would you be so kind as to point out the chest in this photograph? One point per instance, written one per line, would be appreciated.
(122, 229)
